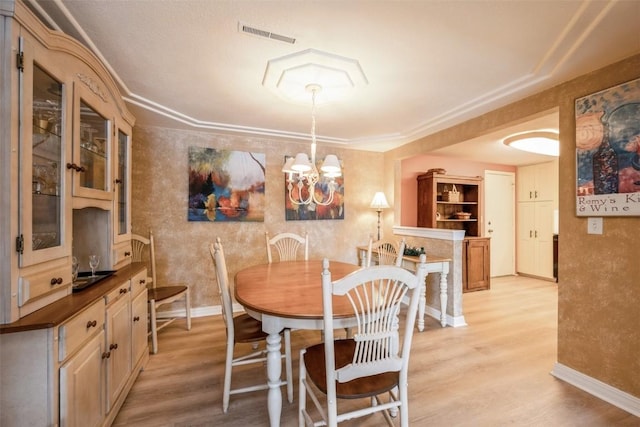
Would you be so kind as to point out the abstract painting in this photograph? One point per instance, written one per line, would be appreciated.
(226, 185)
(608, 152)
(293, 193)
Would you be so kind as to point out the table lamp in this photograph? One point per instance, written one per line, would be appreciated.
(378, 203)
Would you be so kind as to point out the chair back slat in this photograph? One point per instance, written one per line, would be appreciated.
(288, 246)
(388, 252)
(222, 278)
(139, 246)
(143, 250)
(376, 295)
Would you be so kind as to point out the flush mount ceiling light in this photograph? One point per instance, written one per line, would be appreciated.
(289, 76)
(538, 142)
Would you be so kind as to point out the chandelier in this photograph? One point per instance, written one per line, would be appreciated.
(302, 173)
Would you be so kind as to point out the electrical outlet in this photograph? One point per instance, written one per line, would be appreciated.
(594, 225)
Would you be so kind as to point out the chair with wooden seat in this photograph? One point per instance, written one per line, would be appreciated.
(243, 329)
(375, 362)
(158, 295)
(386, 252)
(289, 246)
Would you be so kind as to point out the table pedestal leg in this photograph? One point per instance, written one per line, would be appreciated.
(274, 368)
(443, 295)
(422, 305)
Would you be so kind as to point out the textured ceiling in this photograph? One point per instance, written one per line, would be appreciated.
(428, 64)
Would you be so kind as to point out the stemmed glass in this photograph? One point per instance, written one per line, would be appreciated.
(94, 261)
(74, 268)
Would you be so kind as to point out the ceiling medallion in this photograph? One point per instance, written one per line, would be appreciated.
(288, 76)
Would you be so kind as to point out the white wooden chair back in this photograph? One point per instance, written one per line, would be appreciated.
(288, 246)
(376, 295)
(388, 253)
(222, 278)
(140, 245)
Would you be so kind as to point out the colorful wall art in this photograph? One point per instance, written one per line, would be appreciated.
(295, 211)
(608, 152)
(226, 185)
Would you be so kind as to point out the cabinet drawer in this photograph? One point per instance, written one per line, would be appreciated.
(122, 253)
(81, 327)
(122, 289)
(139, 282)
(32, 286)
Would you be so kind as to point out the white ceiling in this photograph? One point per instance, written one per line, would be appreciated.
(429, 64)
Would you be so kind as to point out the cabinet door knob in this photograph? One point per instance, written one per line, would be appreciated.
(123, 290)
(91, 324)
(56, 280)
(136, 318)
(127, 253)
(118, 181)
(106, 355)
(113, 346)
(143, 281)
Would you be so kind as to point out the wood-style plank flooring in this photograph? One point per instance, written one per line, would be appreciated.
(493, 372)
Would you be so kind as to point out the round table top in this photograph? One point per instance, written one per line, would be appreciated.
(290, 289)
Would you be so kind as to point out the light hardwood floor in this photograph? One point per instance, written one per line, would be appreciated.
(493, 372)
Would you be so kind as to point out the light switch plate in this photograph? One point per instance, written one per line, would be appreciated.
(594, 225)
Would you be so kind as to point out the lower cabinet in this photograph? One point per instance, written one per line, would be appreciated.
(535, 239)
(81, 402)
(78, 372)
(476, 262)
(118, 344)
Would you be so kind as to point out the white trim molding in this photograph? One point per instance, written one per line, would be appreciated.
(431, 233)
(597, 388)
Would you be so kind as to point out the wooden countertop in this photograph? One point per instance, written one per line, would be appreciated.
(57, 312)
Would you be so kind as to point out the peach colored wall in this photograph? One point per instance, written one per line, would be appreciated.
(414, 166)
(598, 289)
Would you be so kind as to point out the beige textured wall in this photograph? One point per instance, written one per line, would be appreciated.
(160, 193)
(599, 275)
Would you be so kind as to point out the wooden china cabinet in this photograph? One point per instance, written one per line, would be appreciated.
(456, 203)
(69, 356)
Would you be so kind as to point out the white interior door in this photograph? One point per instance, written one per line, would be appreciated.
(499, 217)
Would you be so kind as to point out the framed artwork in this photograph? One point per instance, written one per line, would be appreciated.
(314, 211)
(226, 185)
(608, 152)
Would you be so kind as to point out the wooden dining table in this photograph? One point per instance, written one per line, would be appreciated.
(288, 294)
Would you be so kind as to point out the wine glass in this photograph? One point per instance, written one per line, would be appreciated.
(94, 261)
(74, 268)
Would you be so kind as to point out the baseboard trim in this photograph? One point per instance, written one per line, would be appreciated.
(453, 321)
(597, 388)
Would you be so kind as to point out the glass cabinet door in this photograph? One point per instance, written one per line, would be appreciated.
(42, 170)
(91, 147)
(122, 187)
(94, 137)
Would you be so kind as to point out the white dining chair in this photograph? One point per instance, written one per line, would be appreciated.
(243, 329)
(159, 295)
(375, 362)
(386, 252)
(289, 246)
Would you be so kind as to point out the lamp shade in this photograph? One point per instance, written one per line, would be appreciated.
(302, 163)
(288, 165)
(331, 164)
(379, 201)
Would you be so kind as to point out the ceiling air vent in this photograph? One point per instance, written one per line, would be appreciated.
(263, 33)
